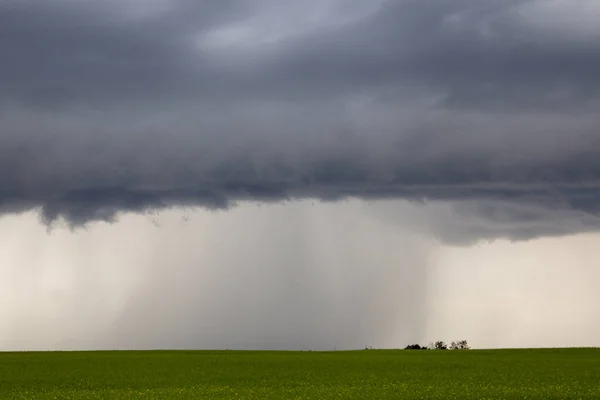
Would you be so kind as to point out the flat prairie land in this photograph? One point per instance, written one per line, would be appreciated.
(369, 374)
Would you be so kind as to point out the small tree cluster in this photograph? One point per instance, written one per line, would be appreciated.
(459, 345)
(415, 347)
(440, 345)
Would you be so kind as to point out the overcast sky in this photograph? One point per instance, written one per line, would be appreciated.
(316, 174)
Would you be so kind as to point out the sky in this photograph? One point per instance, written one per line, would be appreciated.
(328, 174)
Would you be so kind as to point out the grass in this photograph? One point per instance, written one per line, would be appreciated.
(374, 374)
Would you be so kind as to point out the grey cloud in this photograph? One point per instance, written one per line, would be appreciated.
(469, 222)
(485, 57)
(464, 102)
(66, 53)
(84, 177)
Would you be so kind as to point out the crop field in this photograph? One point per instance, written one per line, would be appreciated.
(368, 374)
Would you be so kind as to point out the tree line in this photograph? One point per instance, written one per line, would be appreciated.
(440, 345)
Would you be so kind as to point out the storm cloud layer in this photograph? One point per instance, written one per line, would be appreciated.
(491, 106)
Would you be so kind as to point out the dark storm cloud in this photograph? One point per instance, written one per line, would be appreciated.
(61, 52)
(474, 51)
(57, 53)
(207, 103)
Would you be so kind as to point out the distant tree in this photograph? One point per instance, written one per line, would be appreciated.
(439, 345)
(415, 347)
(459, 345)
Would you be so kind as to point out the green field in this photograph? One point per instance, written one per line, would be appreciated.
(369, 374)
